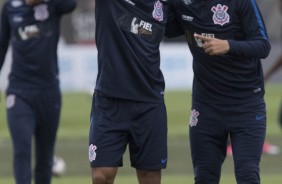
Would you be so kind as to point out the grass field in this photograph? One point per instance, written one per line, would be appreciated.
(72, 142)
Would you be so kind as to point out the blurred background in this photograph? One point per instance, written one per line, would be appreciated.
(78, 70)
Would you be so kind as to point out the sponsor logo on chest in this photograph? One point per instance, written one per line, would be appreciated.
(141, 27)
(220, 15)
(200, 42)
(28, 32)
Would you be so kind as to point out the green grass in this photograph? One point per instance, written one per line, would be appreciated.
(72, 142)
(166, 179)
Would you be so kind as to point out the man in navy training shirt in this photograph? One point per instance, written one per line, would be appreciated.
(128, 103)
(227, 40)
(33, 98)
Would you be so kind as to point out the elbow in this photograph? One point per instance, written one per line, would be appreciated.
(266, 49)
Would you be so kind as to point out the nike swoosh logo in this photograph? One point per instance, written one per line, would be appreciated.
(260, 117)
(164, 161)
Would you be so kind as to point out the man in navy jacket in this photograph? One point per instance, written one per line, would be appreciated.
(227, 40)
(33, 98)
(128, 104)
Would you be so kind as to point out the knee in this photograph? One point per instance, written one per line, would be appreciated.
(21, 153)
(149, 176)
(247, 173)
(99, 178)
(207, 175)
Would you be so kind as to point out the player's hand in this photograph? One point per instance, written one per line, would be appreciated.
(213, 46)
(33, 2)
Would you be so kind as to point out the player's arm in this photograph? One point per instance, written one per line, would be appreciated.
(173, 27)
(256, 44)
(65, 6)
(4, 34)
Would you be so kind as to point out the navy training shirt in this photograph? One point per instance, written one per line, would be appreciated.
(236, 77)
(128, 35)
(34, 33)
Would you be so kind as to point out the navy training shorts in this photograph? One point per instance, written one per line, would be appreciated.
(116, 123)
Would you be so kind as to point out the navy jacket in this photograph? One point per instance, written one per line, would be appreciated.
(236, 77)
(33, 32)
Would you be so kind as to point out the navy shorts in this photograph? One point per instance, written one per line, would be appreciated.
(210, 126)
(116, 123)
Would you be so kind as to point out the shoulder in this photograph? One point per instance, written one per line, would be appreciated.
(245, 2)
(243, 6)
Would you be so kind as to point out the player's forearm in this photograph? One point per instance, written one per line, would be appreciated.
(251, 49)
(173, 27)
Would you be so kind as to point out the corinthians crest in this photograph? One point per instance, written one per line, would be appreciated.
(220, 15)
(158, 11)
(41, 12)
(194, 117)
(92, 152)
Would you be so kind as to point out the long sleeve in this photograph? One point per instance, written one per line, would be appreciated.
(250, 49)
(4, 35)
(256, 44)
(173, 27)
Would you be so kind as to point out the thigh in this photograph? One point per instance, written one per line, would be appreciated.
(208, 141)
(247, 136)
(108, 136)
(21, 121)
(148, 136)
(247, 133)
(48, 107)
